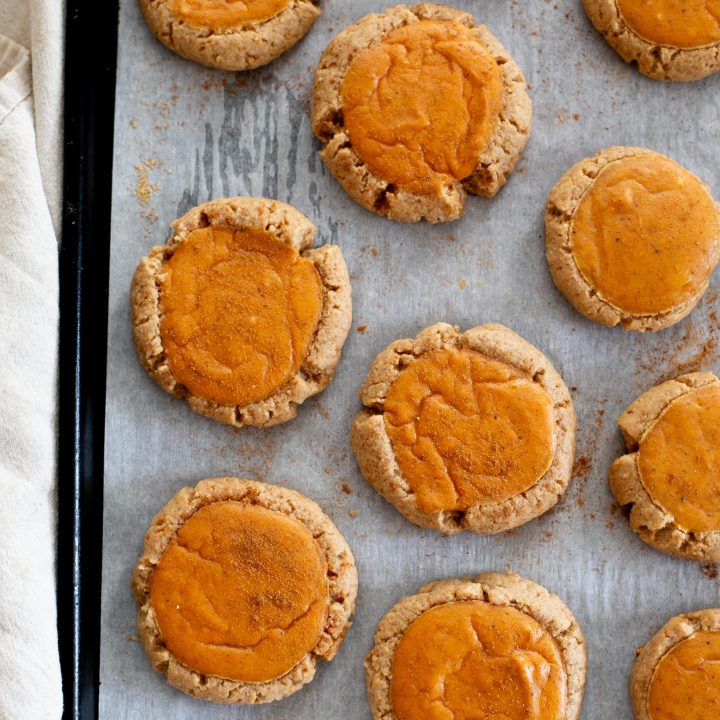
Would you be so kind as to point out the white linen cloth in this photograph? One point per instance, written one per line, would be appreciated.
(31, 54)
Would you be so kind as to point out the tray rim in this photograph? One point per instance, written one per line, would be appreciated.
(89, 109)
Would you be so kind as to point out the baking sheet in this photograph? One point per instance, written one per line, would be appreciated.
(185, 134)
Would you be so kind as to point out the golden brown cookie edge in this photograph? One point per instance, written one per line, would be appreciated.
(504, 589)
(342, 593)
(659, 62)
(562, 204)
(238, 49)
(673, 632)
(496, 163)
(290, 226)
(655, 526)
(376, 459)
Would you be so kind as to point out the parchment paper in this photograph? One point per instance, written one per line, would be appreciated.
(185, 134)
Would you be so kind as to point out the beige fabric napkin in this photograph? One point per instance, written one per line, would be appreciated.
(30, 203)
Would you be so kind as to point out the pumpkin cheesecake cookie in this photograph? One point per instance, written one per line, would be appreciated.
(416, 107)
(632, 238)
(498, 646)
(238, 314)
(668, 39)
(228, 34)
(241, 589)
(465, 431)
(677, 674)
(670, 478)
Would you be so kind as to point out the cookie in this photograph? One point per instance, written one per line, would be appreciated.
(230, 36)
(632, 238)
(668, 39)
(241, 590)
(465, 431)
(479, 649)
(676, 674)
(416, 107)
(238, 314)
(669, 479)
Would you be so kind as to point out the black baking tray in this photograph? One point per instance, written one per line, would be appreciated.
(90, 67)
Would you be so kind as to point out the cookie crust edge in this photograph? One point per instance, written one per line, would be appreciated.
(562, 204)
(674, 631)
(294, 229)
(236, 49)
(373, 450)
(654, 525)
(504, 589)
(342, 576)
(660, 62)
(496, 163)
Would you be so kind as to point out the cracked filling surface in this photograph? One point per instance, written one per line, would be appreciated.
(240, 310)
(646, 235)
(468, 430)
(686, 681)
(420, 106)
(679, 460)
(226, 14)
(468, 660)
(678, 23)
(241, 592)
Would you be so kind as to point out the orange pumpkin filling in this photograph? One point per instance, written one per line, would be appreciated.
(239, 313)
(646, 235)
(240, 593)
(421, 105)
(679, 460)
(679, 23)
(469, 660)
(468, 430)
(686, 681)
(226, 14)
